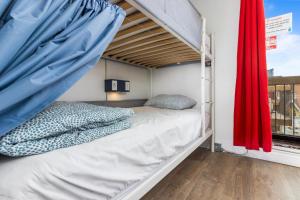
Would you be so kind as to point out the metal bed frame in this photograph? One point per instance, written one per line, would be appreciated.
(140, 189)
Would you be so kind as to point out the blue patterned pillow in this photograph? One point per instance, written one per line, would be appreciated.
(175, 102)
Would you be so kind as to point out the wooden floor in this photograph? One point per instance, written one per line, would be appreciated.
(206, 175)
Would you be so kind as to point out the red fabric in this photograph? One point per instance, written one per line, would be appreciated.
(252, 124)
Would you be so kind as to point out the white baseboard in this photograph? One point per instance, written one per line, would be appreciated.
(279, 155)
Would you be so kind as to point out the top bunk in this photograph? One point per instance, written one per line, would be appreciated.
(154, 34)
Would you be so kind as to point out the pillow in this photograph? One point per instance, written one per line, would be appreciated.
(175, 102)
(67, 117)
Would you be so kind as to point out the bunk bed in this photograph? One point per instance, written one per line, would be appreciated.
(151, 36)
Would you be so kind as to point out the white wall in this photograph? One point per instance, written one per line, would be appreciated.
(223, 20)
(91, 86)
(139, 81)
(180, 79)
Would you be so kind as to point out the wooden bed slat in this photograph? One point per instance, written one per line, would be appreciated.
(152, 50)
(135, 38)
(134, 17)
(167, 54)
(125, 62)
(175, 61)
(148, 46)
(160, 52)
(140, 43)
(170, 61)
(169, 58)
(135, 29)
(164, 55)
(124, 5)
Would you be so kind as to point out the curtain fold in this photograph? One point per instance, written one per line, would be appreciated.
(46, 46)
(252, 124)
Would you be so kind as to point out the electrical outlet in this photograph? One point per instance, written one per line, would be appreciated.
(218, 147)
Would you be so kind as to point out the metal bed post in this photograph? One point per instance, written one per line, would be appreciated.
(212, 39)
(151, 82)
(141, 189)
(212, 84)
(203, 52)
(203, 79)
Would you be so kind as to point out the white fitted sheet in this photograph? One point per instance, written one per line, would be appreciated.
(103, 168)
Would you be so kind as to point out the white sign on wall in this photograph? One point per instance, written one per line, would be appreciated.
(279, 24)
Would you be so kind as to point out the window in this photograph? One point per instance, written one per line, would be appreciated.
(285, 107)
(283, 61)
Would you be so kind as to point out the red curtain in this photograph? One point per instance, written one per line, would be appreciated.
(252, 125)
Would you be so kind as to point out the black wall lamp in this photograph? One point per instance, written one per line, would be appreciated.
(114, 85)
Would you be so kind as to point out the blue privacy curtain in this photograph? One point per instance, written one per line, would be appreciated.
(45, 47)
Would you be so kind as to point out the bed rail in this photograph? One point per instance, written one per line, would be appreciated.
(203, 75)
(139, 190)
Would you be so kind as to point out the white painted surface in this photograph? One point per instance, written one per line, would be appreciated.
(222, 20)
(279, 155)
(180, 79)
(91, 86)
(167, 13)
(279, 25)
(139, 81)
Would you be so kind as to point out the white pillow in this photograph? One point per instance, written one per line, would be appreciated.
(175, 102)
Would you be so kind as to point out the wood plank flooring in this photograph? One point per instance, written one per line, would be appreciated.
(205, 175)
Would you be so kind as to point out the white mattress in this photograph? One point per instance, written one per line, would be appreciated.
(103, 168)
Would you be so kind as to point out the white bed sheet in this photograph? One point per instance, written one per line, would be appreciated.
(103, 168)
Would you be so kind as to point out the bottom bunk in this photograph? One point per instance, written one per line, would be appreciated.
(124, 165)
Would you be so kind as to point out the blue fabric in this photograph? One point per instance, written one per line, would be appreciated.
(64, 125)
(46, 46)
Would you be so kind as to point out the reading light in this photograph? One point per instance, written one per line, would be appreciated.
(114, 85)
